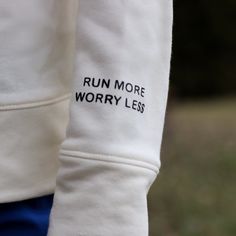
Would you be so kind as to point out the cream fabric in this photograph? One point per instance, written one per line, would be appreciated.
(83, 92)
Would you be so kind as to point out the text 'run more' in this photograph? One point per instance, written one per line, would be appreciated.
(105, 94)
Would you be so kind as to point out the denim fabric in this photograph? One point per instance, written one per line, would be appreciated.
(27, 217)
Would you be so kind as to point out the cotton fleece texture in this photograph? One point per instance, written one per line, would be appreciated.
(83, 92)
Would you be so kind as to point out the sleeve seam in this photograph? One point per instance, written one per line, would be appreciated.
(115, 159)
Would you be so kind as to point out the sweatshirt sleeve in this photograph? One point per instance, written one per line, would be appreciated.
(111, 153)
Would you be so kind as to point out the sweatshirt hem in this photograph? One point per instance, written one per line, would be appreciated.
(30, 141)
(30, 193)
(34, 104)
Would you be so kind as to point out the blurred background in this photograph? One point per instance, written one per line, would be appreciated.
(195, 191)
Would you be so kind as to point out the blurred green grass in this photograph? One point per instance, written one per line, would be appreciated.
(195, 193)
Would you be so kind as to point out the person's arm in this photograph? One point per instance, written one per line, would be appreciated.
(110, 156)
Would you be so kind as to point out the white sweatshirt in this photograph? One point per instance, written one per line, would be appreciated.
(83, 91)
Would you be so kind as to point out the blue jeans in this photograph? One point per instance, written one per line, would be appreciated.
(26, 218)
